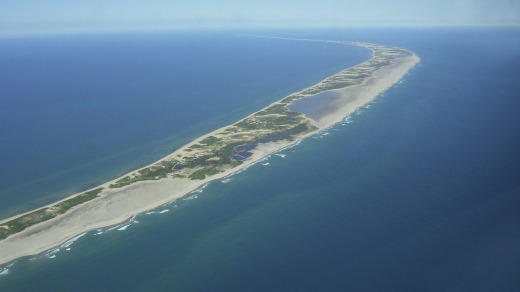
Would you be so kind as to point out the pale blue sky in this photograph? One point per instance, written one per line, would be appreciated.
(73, 15)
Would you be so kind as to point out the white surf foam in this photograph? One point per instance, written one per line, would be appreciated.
(72, 240)
(201, 189)
(133, 220)
(51, 254)
(112, 228)
(124, 227)
(192, 197)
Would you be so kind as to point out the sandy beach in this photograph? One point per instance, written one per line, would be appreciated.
(115, 206)
(353, 97)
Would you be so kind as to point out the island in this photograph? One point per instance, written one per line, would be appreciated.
(213, 156)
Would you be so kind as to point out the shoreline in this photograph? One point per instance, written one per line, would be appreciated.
(118, 205)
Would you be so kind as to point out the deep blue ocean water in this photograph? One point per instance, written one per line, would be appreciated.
(417, 192)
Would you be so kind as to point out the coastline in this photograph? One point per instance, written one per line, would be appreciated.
(114, 206)
(353, 97)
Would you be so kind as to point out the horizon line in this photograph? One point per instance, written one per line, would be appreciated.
(154, 29)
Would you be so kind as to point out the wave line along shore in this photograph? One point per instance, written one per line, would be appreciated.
(210, 157)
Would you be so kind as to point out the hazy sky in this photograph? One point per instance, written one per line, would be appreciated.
(67, 15)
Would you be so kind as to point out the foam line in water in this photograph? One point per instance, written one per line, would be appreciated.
(124, 227)
(69, 242)
(192, 197)
(51, 254)
(201, 189)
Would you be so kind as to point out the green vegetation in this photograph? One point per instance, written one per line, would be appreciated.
(16, 225)
(202, 173)
(64, 206)
(154, 172)
(279, 109)
(210, 141)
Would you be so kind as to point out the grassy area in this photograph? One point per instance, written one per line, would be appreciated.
(202, 173)
(21, 223)
(211, 140)
(279, 109)
(64, 206)
(154, 172)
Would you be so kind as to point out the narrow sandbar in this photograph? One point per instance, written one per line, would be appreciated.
(136, 192)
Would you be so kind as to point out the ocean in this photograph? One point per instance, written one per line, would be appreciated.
(418, 191)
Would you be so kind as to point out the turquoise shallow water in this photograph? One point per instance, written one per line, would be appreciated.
(416, 192)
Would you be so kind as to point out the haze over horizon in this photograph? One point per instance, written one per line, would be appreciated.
(56, 16)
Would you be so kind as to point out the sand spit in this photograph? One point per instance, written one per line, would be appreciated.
(115, 206)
